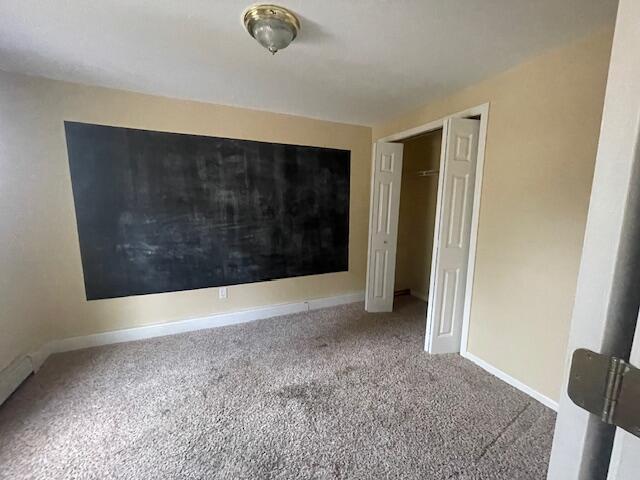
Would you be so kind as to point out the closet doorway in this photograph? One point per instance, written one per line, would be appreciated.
(425, 198)
(417, 215)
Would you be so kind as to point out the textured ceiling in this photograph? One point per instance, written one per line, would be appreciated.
(354, 61)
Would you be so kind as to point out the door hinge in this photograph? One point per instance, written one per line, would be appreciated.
(608, 387)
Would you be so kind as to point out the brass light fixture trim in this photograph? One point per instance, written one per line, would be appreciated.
(274, 27)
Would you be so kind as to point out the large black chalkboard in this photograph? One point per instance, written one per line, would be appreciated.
(159, 212)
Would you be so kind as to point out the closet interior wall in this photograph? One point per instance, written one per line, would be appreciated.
(417, 213)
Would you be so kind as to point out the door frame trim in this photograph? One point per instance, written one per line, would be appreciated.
(483, 112)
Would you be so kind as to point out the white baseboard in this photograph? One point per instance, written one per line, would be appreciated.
(552, 404)
(12, 376)
(421, 295)
(38, 357)
(190, 325)
(317, 303)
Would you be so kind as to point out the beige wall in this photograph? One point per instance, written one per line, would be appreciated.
(42, 291)
(417, 213)
(541, 143)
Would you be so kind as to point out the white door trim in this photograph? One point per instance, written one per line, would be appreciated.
(483, 112)
(412, 132)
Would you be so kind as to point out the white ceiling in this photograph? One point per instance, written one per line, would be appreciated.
(355, 61)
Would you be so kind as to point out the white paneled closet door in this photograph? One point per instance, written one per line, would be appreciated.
(383, 226)
(451, 255)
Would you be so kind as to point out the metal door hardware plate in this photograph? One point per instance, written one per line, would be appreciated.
(608, 387)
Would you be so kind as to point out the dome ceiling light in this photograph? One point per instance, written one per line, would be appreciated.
(272, 26)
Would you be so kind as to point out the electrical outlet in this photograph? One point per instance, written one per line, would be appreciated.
(222, 292)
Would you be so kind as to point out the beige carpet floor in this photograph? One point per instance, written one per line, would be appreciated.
(329, 394)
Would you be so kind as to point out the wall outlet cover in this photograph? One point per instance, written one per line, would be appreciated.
(222, 292)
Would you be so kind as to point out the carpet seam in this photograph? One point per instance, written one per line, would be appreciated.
(501, 433)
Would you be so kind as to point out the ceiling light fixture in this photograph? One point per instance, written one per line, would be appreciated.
(272, 26)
